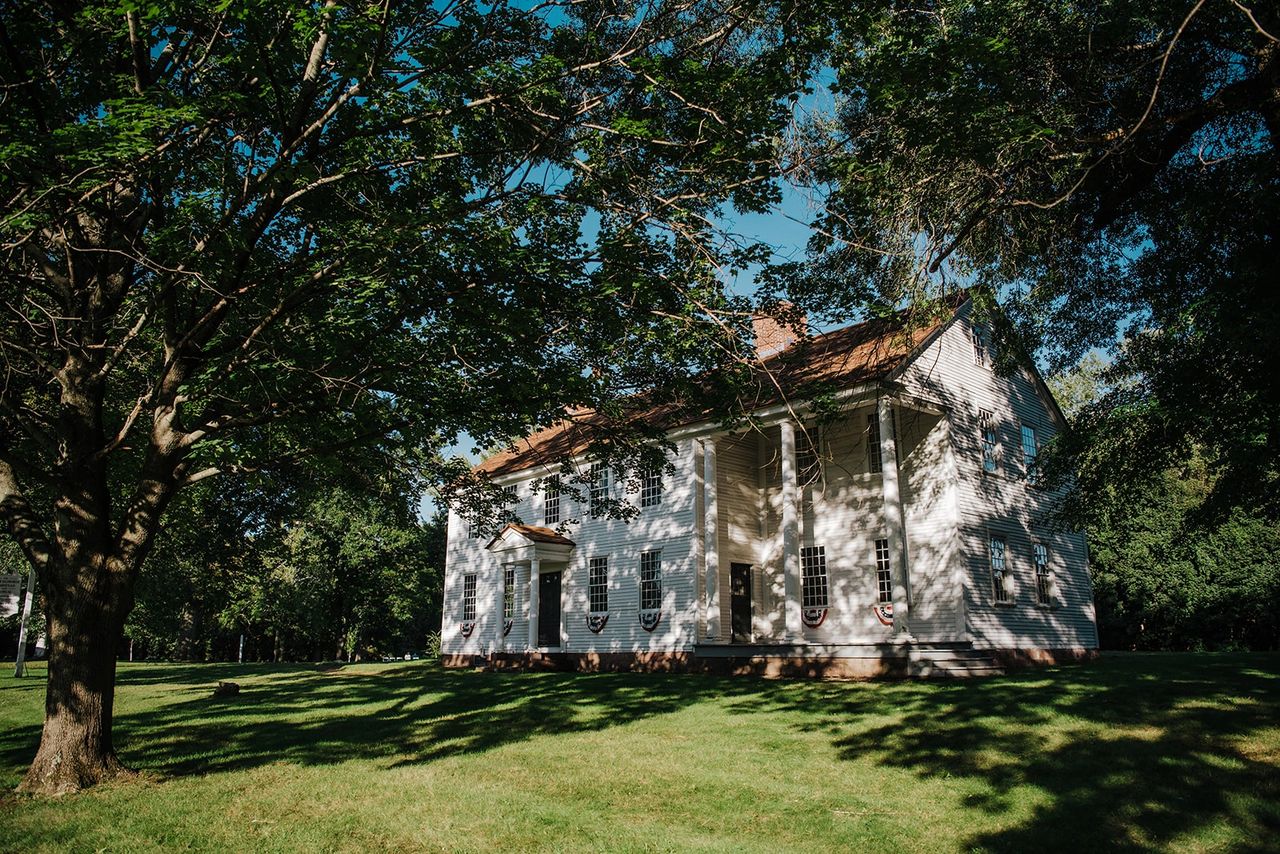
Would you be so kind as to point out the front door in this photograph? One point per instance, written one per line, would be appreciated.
(740, 602)
(548, 609)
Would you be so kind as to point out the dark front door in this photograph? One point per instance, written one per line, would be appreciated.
(548, 609)
(740, 602)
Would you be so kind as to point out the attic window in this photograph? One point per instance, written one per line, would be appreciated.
(979, 337)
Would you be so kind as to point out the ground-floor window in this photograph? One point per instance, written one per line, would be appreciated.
(884, 572)
(508, 592)
(598, 585)
(998, 549)
(1044, 579)
(650, 581)
(813, 577)
(468, 598)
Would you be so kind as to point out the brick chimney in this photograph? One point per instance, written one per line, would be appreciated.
(773, 333)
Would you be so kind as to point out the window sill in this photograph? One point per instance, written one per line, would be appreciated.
(1004, 604)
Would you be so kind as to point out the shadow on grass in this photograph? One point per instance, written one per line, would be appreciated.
(1135, 753)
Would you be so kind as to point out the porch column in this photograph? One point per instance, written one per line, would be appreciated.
(711, 538)
(790, 533)
(895, 519)
(499, 639)
(534, 567)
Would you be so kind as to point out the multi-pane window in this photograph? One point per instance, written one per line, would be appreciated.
(1029, 451)
(999, 568)
(873, 442)
(813, 577)
(551, 501)
(650, 581)
(598, 585)
(1044, 582)
(987, 426)
(468, 598)
(979, 338)
(509, 494)
(808, 464)
(599, 486)
(651, 487)
(884, 572)
(508, 592)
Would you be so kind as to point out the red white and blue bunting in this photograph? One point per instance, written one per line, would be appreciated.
(467, 628)
(649, 620)
(883, 612)
(506, 627)
(813, 617)
(596, 622)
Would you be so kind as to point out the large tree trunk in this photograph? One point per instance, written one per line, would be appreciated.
(85, 623)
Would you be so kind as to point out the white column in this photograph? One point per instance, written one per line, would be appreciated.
(499, 639)
(533, 603)
(790, 533)
(711, 538)
(895, 520)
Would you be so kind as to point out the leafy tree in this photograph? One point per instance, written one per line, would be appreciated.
(1110, 170)
(241, 235)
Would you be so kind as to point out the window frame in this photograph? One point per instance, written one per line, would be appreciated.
(884, 571)
(1030, 455)
(598, 588)
(598, 491)
(1044, 573)
(875, 453)
(650, 577)
(551, 500)
(651, 487)
(808, 456)
(989, 440)
(815, 583)
(978, 338)
(469, 597)
(509, 591)
(1001, 595)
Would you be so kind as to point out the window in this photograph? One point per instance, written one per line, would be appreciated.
(1044, 581)
(884, 572)
(551, 501)
(508, 592)
(813, 577)
(509, 494)
(873, 442)
(650, 581)
(1029, 450)
(998, 569)
(808, 464)
(599, 486)
(468, 598)
(651, 488)
(979, 337)
(986, 424)
(598, 585)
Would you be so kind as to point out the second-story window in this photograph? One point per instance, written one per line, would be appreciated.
(884, 572)
(978, 336)
(551, 501)
(808, 463)
(1030, 450)
(873, 442)
(651, 487)
(987, 427)
(599, 486)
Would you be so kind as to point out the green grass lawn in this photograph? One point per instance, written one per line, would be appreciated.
(1137, 752)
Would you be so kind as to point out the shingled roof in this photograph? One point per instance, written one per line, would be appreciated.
(535, 534)
(840, 359)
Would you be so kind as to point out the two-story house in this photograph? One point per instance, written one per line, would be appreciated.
(907, 534)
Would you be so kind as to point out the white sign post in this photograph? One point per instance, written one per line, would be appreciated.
(19, 668)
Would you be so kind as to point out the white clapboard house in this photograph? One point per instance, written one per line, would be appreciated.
(906, 535)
